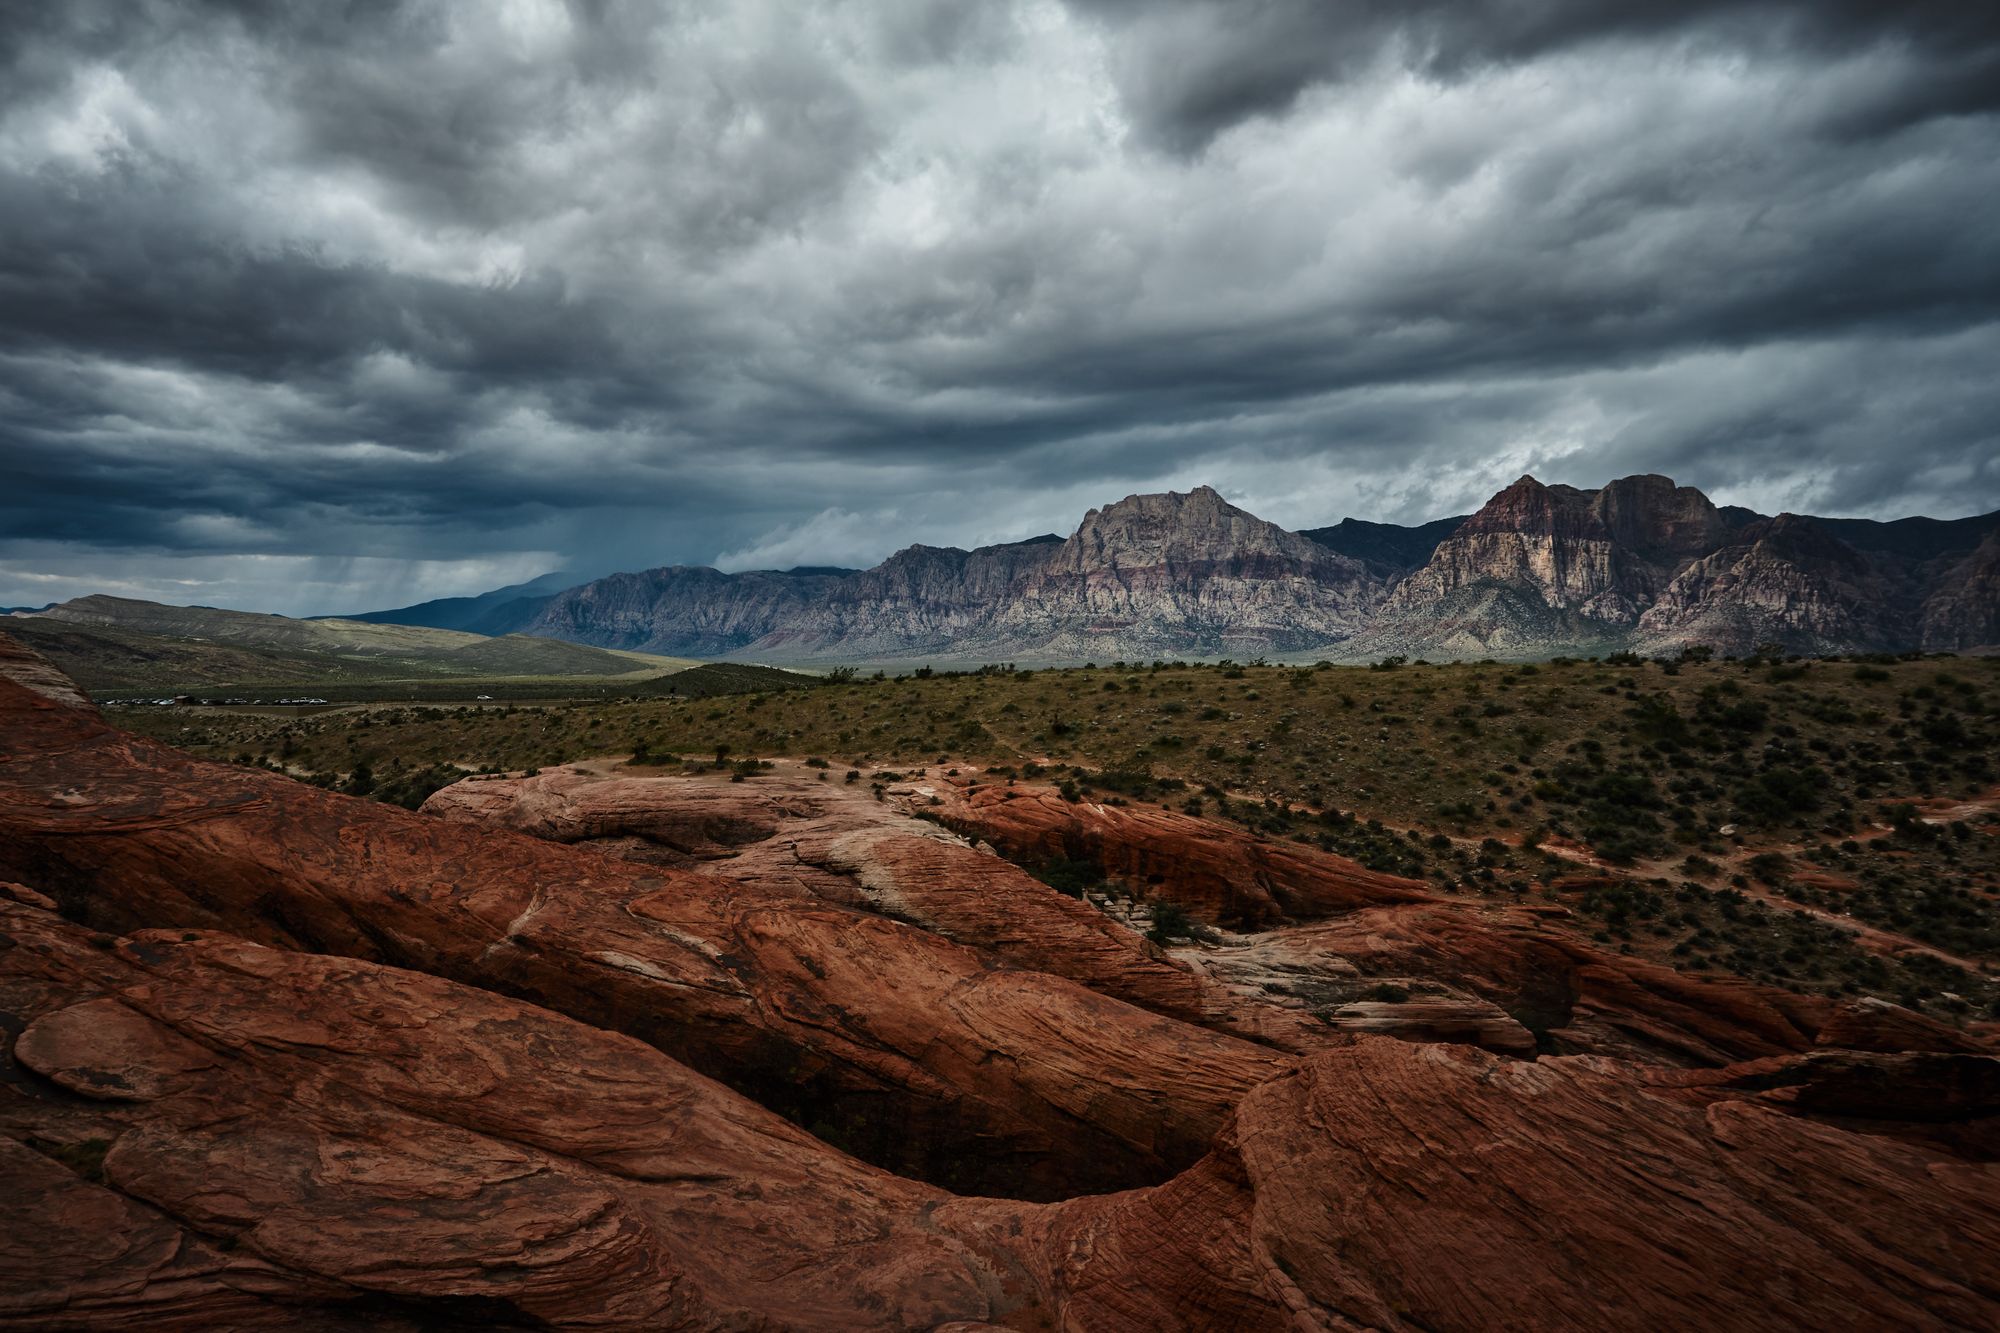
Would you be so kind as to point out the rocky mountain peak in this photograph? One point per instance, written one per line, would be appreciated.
(1525, 506)
(1653, 517)
(1176, 527)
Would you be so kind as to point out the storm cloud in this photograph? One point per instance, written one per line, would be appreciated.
(319, 307)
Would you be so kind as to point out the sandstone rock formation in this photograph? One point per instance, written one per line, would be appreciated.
(836, 845)
(1507, 978)
(202, 1132)
(1604, 554)
(1215, 872)
(1326, 932)
(963, 1070)
(1643, 564)
(1963, 609)
(277, 1058)
(1784, 580)
(1639, 564)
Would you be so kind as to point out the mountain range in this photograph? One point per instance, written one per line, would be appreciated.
(1639, 564)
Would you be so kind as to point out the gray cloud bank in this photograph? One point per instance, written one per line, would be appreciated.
(312, 308)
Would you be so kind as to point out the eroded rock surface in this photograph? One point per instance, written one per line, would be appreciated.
(275, 1058)
(1216, 873)
(829, 843)
(205, 1131)
(920, 1053)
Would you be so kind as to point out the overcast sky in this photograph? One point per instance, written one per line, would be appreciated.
(322, 307)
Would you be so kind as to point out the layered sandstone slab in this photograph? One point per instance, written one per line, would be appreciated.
(1215, 872)
(918, 1052)
(203, 1131)
(835, 844)
(1509, 978)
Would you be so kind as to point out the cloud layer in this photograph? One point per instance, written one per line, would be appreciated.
(308, 307)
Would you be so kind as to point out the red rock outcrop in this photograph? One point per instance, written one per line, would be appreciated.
(201, 1129)
(1578, 998)
(1501, 977)
(1216, 873)
(33, 672)
(917, 1052)
(206, 1132)
(1508, 979)
(838, 845)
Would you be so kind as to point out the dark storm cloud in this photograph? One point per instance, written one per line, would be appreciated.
(1192, 68)
(316, 306)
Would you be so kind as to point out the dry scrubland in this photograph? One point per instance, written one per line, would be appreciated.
(1826, 825)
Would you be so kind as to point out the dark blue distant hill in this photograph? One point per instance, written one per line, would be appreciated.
(1388, 545)
(501, 611)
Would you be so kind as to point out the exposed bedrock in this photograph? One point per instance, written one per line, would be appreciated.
(919, 1053)
(830, 843)
(275, 1058)
(1508, 978)
(1216, 872)
(200, 1131)
(1498, 976)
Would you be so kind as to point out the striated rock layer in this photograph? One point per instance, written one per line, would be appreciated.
(1173, 573)
(838, 845)
(1326, 931)
(200, 1131)
(1540, 570)
(271, 1057)
(1502, 973)
(918, 1052)
(835, 845)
